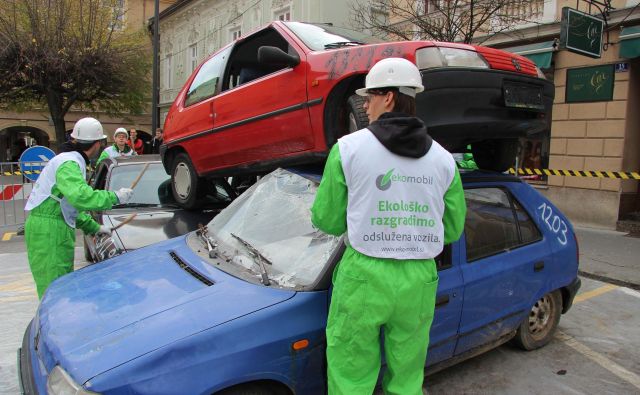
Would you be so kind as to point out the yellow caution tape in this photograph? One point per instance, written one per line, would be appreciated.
(625, 175)
(19, 173)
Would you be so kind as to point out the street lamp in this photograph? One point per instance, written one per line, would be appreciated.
(155, 84)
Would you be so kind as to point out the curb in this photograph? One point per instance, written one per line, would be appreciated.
(609, 280)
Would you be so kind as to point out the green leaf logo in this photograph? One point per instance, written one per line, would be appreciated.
(383, 182)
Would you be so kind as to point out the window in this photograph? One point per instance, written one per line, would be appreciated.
(443, 260)
(118, 15)
(235, 34)
(167, 71)
(193, 56)
(243, 65)
(205, 83)
(282, 15)
(495, 223)
(425, 6)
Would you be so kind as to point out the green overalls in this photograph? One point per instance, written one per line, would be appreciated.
(371, 293)
(50, 241)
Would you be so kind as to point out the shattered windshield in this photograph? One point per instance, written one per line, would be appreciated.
(274, 218)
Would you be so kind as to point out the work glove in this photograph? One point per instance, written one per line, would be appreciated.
(124, 195)
(104, 230)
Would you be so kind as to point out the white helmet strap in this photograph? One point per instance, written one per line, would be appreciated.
(407, 91)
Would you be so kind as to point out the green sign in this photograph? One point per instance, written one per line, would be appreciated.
(581, 33)
(590, 84)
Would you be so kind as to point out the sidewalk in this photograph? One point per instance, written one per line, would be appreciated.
(610, 256)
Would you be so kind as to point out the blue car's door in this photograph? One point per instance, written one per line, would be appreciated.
(449, 297)
(503, 266)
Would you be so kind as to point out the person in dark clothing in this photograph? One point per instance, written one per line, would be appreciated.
(156, 142)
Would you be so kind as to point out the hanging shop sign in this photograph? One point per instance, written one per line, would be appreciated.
(587, 84)
(581, 33)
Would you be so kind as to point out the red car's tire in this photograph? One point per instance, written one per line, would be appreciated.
(356, 115)
(184, 181)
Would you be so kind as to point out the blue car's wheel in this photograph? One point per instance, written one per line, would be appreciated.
(539, 327)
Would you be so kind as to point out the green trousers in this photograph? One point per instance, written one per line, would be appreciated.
(50, 248)
(370, 294)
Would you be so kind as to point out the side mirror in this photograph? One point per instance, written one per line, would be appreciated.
(274, 56)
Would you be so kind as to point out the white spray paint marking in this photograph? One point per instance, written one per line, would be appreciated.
(600, 359)
(630, 291)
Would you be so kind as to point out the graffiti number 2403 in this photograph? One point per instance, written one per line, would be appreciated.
(554, 223)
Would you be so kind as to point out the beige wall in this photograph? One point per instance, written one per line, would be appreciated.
(138, 12)
(594, 136)
(39, 120)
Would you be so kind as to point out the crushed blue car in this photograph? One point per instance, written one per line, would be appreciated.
(241, 307)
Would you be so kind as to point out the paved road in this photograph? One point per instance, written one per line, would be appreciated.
(596, 350)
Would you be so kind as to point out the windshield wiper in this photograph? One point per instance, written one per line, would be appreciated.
(204, 235)
(341, 44)
(259, 257)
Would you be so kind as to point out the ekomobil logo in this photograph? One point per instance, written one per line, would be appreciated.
(383, 181)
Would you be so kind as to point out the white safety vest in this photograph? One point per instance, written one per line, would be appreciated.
(47, 179)
(113, 152)
(395, 203)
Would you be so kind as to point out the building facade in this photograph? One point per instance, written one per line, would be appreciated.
(596, 127)
(18, 130)
(191, 30)
(596, 122)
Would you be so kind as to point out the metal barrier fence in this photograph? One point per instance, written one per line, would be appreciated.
(14, 192)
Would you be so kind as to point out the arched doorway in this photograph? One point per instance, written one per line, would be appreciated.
(15, 139)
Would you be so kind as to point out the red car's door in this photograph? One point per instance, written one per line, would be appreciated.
(195, 115)
(263, 114)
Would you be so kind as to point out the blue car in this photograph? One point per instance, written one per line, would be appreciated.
(240, 307)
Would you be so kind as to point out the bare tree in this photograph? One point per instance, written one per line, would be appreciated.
(71, 53)
(442, 20)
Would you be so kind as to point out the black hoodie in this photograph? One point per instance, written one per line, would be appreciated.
(402, 134)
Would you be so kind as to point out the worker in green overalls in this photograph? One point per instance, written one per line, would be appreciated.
(56, 205)
(398, 195)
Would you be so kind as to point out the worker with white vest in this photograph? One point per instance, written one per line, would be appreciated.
(119, 147)
(57, 204)
(397, 194)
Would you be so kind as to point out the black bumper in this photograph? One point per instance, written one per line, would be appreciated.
(25, 372)
(569, 292)
(464, 106)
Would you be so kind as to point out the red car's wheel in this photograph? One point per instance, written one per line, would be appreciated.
(184, 181)
(356, 115)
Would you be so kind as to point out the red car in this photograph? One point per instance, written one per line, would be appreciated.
(284, 94)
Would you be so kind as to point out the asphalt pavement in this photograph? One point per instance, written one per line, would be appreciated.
(610, 256)
(594, 351)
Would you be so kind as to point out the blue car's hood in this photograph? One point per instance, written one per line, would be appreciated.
(109, 313)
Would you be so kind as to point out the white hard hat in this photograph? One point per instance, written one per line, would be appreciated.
(394, 73)
(121, 131)
(88, 129)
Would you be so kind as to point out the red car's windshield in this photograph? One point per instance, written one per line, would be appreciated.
(319, 37)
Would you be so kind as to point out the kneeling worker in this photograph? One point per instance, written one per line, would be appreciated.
(398, 195)
(119, 147)
(56, 205)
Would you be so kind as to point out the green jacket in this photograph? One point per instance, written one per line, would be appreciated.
(71, 184)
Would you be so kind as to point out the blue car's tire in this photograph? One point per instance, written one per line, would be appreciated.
(540, 325)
